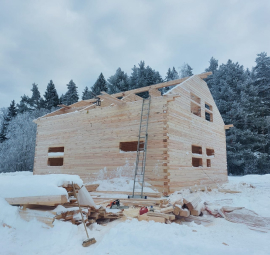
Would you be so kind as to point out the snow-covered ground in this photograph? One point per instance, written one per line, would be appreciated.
(134, 237)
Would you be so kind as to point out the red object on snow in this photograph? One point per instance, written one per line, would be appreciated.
(143, 210)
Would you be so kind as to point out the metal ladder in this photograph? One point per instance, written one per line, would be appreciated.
(141, 150)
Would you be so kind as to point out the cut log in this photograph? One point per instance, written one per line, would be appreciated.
(184, 212)
(192, 203)
(176, 210)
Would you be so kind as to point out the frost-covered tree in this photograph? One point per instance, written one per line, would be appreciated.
(185, 71)
(142, 76)
(99, 86)
(51, 96)
(213, 65)
(7, 117)
(71, 95)
(86, 94)
(118, 82)
(18, 151)
(170, 76)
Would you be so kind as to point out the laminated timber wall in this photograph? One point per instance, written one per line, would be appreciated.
(91, 142)
(186, 129)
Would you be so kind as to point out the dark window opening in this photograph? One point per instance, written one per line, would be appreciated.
(209, 116)
(197, 162)
(143, 94)
(208, 162)
(55, 161)
(130, 146)
(196, 149)
(195, 109)
(210, 152)
(208, 106)
(56, 149)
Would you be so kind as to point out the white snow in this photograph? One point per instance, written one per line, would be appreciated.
(134, 237)
(55, 154)
(121, 184)
(24, 184)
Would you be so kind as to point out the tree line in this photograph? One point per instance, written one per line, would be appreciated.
(242, 96)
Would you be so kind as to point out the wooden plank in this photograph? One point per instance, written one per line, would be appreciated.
(38, 200)
(111, 99)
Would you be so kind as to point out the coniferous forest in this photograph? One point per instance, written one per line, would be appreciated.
(242, 96)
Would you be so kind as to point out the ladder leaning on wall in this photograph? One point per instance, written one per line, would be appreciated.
(141, 148)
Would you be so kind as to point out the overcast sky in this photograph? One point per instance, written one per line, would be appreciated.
(64, 39)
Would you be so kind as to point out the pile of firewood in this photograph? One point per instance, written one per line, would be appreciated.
(182, 208)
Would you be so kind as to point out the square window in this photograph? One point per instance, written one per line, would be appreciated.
(210, 152)
(197, 162)
(196, 149)
(55, 161)
(209, 116)
(195, 109)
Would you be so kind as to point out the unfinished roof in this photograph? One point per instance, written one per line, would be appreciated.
(126, 96)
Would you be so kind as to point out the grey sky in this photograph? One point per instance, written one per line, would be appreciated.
(63, 40)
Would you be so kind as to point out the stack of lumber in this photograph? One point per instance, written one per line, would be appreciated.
(47, 209)
(188, 206)
(91, 215)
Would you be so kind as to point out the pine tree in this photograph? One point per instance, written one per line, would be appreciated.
(262, 81)
(185, 71)
(118, 82)
(99, 86)
(51, 96)
(11, 113)
(213, 65)
(12, 110)
(142, 76)
(170, 76)
(86, 94)
(34, 101)
(71, 96)
(24, 105)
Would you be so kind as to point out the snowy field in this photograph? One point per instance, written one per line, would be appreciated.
(134, 237)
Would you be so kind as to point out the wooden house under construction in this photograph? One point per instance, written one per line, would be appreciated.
(98, 139)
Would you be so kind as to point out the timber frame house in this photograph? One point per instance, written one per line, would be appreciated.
(186, 137)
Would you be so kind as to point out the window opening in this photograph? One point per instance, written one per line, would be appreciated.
(55, 161)
(56, 156)
(197, 162)
(196, 149)
(130, 146)
(210, 152)
(195, 109)
(209, 116)
(208, 161)
(208, 106)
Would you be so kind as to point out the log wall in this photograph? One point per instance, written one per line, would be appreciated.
(186, 129)
(91, 142)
